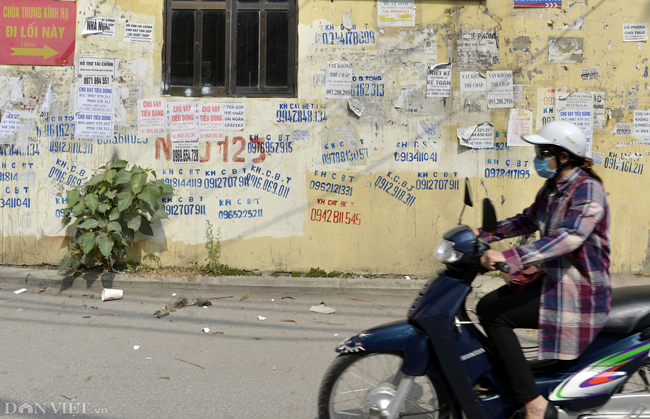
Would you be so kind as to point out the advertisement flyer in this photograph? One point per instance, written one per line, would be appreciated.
(151, 117)
(520, 123)
(500, 87)
(211, 123)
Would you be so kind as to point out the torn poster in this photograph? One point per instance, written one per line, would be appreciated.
(151, 117)
(94, 112)
(538, 3)
(338, 81)
(347, 21)
(635, 32)
(500, 90)
(623, 130)
(641, 124)
(589, 73)
(477, 136)
(211, 122)
(427, 130)
(9, 124)
(599, 110)
(45, 109)
(404, 96)
(584, 118)
(472, 81)
(102, 26)
(575, 100)
(356, 106)
(396, 13)
(234, 116)
(439, 79)
(597, 158)
(565, 50)
(138, 33)
(520, 123)
(477, 49)
(545, 106)
(96, 71)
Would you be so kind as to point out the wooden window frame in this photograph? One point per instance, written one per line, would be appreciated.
(230, 89)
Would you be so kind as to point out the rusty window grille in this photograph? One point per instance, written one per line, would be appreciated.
(237, 48)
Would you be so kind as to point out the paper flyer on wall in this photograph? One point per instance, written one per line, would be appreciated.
(338, 80)
(477, 49)
(520, 123)
(184, 132)
(473, 82)
(500, 93)
(635, 32)
(101, 26)
(396, 13)
(641, 123)
(9, 124)
(234, 116)
(476, 136)
(439, 79)
(96, 71)
(94, 111)
(151, 117)
(211, 122)
(138, 33)
(584, 118)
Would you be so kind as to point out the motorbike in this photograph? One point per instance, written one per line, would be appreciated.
(437, 363)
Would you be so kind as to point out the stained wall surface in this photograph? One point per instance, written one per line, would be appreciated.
(371, 193)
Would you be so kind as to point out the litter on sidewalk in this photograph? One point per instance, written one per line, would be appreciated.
(20, 291)
(322, 309)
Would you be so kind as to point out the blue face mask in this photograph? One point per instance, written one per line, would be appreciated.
(541, 167)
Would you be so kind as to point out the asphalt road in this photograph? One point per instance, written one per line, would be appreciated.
(66, 358)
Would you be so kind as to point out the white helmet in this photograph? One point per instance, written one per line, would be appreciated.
(563, 134)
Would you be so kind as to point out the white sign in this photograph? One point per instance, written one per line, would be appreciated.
(477, 49)
(584, 118)
(477, 136)
(93, 125)
(500, 92)
(642, 123)
(211, 122)
(338, 82)
(624, 130)
(471, 81)
(589, 73)
(102, 26)
(520, 123)
(138, 33)
(10, 123)
(635, 32)
(185, 152)
(234, 116)
(151, 117)
(599, 110)
(396, 13)
(576, 100)
(97, 99)
(183, 121)
(95, 71)
(439, 80)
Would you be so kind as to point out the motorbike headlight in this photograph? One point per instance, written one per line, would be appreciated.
(445, 252)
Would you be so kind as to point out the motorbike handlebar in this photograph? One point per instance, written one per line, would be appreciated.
(503, 267)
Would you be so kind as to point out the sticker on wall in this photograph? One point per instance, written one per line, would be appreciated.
(565, 50)
(439, 79)
(138, 33)
(396, 13)
(584, 118)
(9, 124)
(477, 49)
(234, 116)
(101, 26)
(597, 158)
(538, 3)
(356, 106)
(473, 82)
(95, 71)
(211, 122)
(476, 136)
(184, 132)
(574, 100)
(500, 93)
(520, 123)
(94, 112)
(589, 73)
(642, 123)
(151, 117)
(623, 129)
(635, 32)
(338, 81)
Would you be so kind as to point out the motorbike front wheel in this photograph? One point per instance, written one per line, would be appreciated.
(363, 384)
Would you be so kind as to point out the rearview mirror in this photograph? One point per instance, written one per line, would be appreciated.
(489, 216)
(468, 194)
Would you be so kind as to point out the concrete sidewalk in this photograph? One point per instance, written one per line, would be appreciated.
(48, 276)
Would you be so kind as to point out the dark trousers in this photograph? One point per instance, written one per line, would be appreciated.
(500, 312)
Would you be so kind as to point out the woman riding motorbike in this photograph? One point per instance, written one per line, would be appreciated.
(569, 297)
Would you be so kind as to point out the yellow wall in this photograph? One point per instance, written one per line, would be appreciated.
(389, 236)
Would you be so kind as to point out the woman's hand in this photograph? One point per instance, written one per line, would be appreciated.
(475, 230)
(490, 258)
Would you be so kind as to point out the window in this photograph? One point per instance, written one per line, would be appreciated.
(230, 48)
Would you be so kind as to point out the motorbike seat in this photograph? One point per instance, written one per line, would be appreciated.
(630, 311)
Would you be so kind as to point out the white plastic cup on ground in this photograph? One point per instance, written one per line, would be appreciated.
(111, 294)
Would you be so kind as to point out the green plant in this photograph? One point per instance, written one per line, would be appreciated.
(107, 213)
(155, 259)
(334, 274)
(316, 273)
(295, 274)
(213, 245)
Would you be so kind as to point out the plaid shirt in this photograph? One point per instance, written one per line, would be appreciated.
(574, 252)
